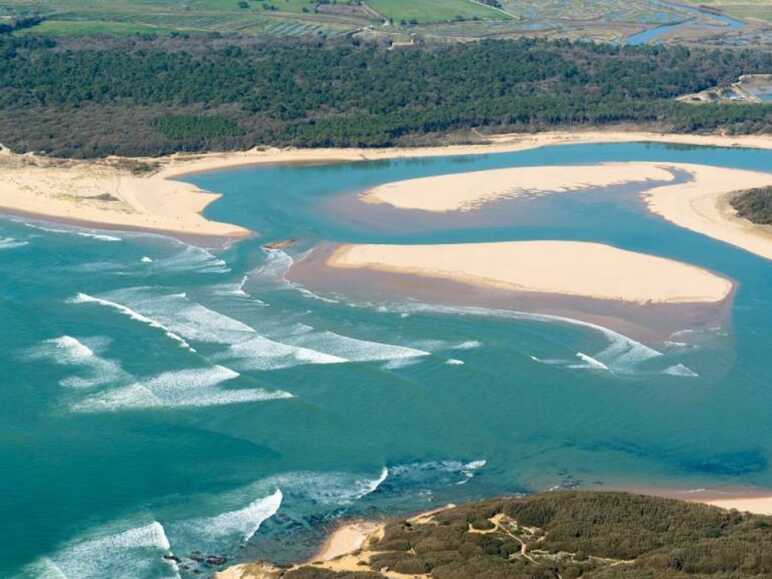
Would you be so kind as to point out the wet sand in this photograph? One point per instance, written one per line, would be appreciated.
(649, 322)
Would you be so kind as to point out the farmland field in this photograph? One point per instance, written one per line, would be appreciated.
(393, 20)
(428, 11)
(760, 9)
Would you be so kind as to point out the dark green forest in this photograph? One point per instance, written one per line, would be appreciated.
(595, 535)
(149, 96)
(754, 205)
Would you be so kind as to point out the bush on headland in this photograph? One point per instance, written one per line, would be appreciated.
(598, 535)
(754, 205)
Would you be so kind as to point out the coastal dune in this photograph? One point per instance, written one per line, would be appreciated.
(569, 268)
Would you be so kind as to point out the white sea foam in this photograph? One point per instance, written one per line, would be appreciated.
(400, 363)
(188, 387)
(135, 552)
(468, 345)
(146, 259)
(260, 353)
(680, 370)
(335, 488)
(69, 351)
(82, 298)
(243, 522)
(11, 243)
(79, 232)
(439, 472)
(194, 259)
(454, 362)
(590, 362)
(353, 349)
(622, 356)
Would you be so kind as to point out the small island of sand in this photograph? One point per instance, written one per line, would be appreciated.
(569, 268)
(468, 191)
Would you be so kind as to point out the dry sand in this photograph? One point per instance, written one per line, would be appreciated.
(106, 193)
(700, 205)
(77, 191)
(569, 268)
(703, 206)
(757, 505)
(468, 191)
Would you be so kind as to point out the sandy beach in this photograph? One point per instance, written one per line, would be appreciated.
(141, 193)
(579, 269)
(107, 193)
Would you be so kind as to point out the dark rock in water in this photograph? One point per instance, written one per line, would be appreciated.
(215, 560)
(197, 557)
(279, 244)
(174, 558)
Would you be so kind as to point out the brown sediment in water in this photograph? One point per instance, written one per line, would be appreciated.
(649, 322)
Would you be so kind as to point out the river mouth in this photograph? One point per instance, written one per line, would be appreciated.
(178, 389)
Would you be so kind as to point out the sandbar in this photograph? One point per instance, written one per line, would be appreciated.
(580, 269)
(700, 204)
(111, 192)
(469, 191)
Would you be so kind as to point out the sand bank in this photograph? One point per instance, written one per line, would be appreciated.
(140, 194)
(589, 270)
(183, 163)
(702, 205)
(107, 193)
(469, 191)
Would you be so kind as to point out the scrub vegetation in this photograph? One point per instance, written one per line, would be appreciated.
(595, 535)
(754, 205)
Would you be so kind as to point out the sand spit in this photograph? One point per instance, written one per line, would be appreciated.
(579, 269)
(140, 193)
(702, 205)
(113, 193)
(184, 163)
(469, 191)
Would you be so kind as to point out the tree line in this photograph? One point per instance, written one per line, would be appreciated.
(142, 97)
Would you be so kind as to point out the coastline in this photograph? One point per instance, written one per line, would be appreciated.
(354, 540)
(109, 192)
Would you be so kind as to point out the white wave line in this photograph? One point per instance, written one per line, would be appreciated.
(82, 298)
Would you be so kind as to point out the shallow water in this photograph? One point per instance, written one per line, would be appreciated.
(160, 397)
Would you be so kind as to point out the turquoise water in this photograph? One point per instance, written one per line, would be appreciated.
(164, 398)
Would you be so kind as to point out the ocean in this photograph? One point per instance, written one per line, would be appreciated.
(162, 398)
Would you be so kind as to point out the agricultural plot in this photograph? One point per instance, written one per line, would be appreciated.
(758, 9)
(431, 11)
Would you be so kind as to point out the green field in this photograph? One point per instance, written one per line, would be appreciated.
(429, 11)
(759, 9)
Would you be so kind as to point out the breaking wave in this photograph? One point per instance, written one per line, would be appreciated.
(623, 355)
(192, 259)
(189, 387)
(82, 298)
(69, 351)
(110, 554)
(79, 232)
(11, 243)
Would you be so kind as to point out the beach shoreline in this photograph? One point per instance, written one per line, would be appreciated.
(51, 188)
